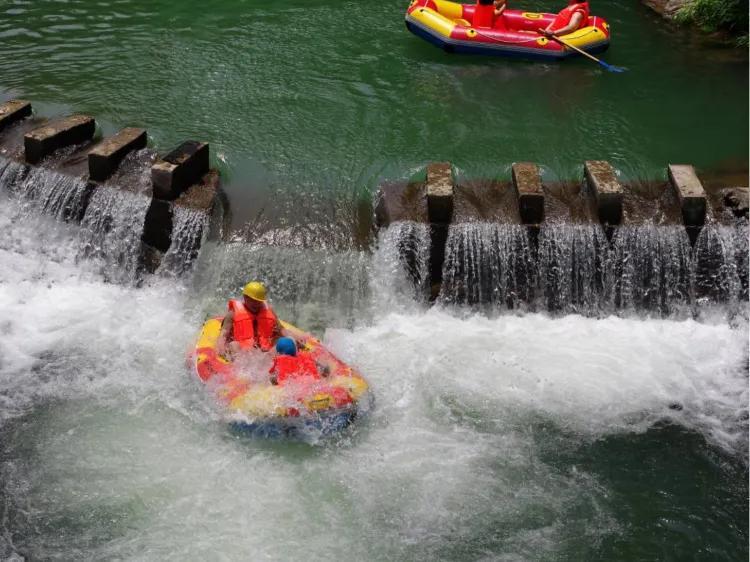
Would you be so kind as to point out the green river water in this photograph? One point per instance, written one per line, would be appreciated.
(497, 437)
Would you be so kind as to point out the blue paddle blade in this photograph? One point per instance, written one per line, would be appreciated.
(613, 68)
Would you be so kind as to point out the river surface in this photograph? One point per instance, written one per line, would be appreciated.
(330, 97)
(620, 434)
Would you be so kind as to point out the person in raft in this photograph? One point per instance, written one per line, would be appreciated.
(500, 6)
(574, 16)
(289, 364)
(250, 322)
(299, 368)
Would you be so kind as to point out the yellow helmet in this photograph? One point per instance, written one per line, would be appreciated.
(255, 290)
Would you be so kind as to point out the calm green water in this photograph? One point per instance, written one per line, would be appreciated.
(333, 95)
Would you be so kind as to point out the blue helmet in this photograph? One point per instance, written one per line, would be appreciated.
(286, 346)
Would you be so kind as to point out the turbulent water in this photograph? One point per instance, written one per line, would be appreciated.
(505, 438)
(594, 408)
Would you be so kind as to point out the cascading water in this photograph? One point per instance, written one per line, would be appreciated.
(189, 231)
(572, 260)
(487, 263)
(649, 268)
(400, 264)
(316, 287)
(111, 231)
(11, 173)
(574, 268)
(721, 261)
(324, 287)
(59, 195)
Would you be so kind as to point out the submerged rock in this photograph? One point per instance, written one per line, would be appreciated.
(666, 8)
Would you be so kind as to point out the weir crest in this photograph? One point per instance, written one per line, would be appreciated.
(595, 245)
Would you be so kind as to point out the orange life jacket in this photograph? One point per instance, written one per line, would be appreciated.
(244, 326)
(286, 367)
(566, 15)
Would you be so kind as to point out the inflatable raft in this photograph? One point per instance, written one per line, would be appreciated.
(513, 34)
(253, 405)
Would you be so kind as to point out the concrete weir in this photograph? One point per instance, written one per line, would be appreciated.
(603, 209)
(180, 179)
(488, 240)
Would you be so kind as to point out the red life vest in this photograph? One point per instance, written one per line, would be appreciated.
(244, 326)
(566, 15)
(286, 367)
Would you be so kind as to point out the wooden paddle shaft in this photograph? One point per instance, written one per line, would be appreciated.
(584, 53)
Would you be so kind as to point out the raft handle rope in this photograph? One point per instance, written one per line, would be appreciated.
(534, 40)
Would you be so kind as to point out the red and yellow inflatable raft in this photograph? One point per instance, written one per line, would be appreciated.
(254, 405)
(514, 33)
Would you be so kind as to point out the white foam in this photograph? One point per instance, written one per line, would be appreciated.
(594, 376)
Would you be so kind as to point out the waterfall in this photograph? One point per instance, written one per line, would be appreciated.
(61, 196)
(574, 269)
(571, 264)
(649, 268)
(318, 288)
(720, 264)
(10, 174)
(487, 263)
(401, 262)
(189, 229)
(111, 231)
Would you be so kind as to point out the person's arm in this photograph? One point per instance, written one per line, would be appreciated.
(500, 6)
(226, 333)
(278, 329)
(575, 21)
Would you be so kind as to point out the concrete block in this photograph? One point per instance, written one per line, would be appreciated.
(607, 190)
(58, 134)
(528, 185)
(12, 111)
(157, 227)
(401, 201)
(737, 200)
(179, 169)
(202, 196)
(439, 192)
(107, 155)
(690, 193)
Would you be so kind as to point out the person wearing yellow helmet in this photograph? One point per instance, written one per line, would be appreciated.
(250, 322)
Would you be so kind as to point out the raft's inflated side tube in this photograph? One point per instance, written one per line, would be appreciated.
(449, 25)
(266, 409)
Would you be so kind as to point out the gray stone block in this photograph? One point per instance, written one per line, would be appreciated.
(58, 134)
(179, 169)
(13, 111)
(608, 192)
(690, 193)
(105, 157)
(528, 185)
(439, 189)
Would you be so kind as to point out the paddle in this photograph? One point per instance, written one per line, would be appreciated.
(563, 42)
